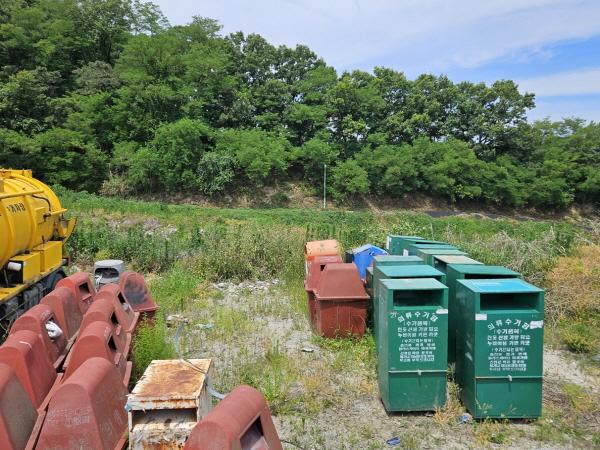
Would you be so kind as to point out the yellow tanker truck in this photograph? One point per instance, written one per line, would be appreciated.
(33, 231)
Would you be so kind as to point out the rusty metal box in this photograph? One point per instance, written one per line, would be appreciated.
(167, 403)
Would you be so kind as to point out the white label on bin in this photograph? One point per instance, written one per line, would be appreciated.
(387, 243)
(442, 311)
(404, 252)
(536, 324)
(480, 316)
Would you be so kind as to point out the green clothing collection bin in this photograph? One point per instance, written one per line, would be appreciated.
(412, 365)
(394, 243)
(392, 272)
(427, 254)
(456, 272)
(413, 249)
(398, 245)
(441, 262)
(499, 344)
(388, 260)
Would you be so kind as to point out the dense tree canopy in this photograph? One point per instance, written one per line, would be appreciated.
(106, 93)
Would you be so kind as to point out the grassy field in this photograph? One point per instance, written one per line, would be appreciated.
(233, 278)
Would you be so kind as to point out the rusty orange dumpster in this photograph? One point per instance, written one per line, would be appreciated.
(97, 340)
(341, 301)
(124, 313)
(80, 284)
(136, 293)
(87, 410)
(103, 309)
(240, 421)
(64, 305)
(41, 320)
(17, 413)
(24, 352)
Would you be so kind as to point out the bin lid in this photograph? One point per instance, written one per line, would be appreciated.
(456, 259)
(440, 251)
(413, 284)
(476, 269)
(400, 236)
(369, 248)
(340, 281)
(430, 244)
(421, 270)
(499, 286)
(396, 258)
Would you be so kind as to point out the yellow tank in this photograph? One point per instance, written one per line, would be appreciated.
(32, 230)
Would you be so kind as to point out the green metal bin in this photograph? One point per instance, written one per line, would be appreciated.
(427, 254)
(412, 364)
(413, 249)
(393, 272)
(388, 260)
(398, 245)
(456, 272)
(394, 243)
(500, 348)
(441, 262)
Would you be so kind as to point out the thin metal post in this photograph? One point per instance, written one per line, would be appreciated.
(324, 185)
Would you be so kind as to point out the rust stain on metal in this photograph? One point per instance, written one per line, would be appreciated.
(172, 379)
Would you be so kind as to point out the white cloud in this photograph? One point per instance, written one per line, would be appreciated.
(411, 35)
(565, 83)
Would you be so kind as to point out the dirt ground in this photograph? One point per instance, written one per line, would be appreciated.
(324, 394)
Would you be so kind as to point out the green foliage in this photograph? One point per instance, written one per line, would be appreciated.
(170, 160)
(261, 155)
(151, 342)
(348, 178)
(215, 172)
(185, 109)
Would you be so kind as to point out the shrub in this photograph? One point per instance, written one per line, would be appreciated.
(579, 337)
(151, 342)
(262, 155)
(348, 178)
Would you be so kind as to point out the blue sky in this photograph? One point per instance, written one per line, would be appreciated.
(550, 47)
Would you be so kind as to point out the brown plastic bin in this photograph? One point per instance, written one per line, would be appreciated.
(315, 268)
(341, 301)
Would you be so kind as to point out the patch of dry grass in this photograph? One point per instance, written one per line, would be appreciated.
(574, 284)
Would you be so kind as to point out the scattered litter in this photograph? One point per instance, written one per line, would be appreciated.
(464, 418)
(205, 326)
(393, 442)
(308, 350)
(173, 319)
(53, 330)
(596, 357)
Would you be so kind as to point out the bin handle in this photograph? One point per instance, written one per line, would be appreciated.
(511, 377)
(418, 371)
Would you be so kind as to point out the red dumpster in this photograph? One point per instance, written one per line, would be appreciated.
(24, 352)
(41, 320)
(80, 284)
(240, 421)
(88, 410)
(96, 340)
(315, 267)
(64, 305)
(125, 314)
(103, 309)
(341, 301)
(17, 413)
(136, 293)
